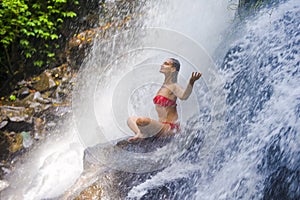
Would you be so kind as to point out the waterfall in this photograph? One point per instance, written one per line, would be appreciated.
(240, 126)
(256, 155)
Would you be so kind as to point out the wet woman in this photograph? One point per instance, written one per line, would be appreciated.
(165, 105)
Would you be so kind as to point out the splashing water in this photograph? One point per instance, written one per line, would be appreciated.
(250, 150)
(257, 154)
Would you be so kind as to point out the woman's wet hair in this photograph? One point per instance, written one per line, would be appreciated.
(175, 64)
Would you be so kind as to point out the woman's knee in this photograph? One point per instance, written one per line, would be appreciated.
(140, 121)
(143, 121)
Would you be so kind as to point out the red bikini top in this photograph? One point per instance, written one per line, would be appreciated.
(163, 101)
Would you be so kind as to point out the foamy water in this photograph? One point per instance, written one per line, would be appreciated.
(257, 153)
(260, 77)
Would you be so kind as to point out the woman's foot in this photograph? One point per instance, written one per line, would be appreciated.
(135, 138)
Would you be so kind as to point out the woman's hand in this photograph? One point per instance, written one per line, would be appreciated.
(195, 77)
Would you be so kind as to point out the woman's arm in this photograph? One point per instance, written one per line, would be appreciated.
(184, 94)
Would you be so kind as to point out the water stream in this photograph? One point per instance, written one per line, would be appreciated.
(240, 137)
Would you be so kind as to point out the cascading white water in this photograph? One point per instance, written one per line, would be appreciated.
(230, 170)
(110, 85)
(48, 169)
(257, 153)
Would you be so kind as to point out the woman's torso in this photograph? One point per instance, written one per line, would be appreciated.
(167, 113)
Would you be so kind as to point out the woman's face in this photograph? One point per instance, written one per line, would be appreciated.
(167, 67)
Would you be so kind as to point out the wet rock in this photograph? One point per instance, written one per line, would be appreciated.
(2, 118)
(16, 114)
(92, 192)
(44, 100)
(37, 103)
(44, 82)
(27, 100)
(79, 45)
(111, 152)
(62, 93)
(145, 145)
(15, 141)
(115, 184)
(3, 124)
(22, 83)
(38, 128)
(38, 97)
(94, 185)
(17, 126)
(16, 119)
(23, 92)
(63, 71)
(120, 181)
(47, 94)
(4, 145)
(59, 110)
(51, 118)
(83, 38)
(36, 106)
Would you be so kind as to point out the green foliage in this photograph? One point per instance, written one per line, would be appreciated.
(30, 29)
(12, 97)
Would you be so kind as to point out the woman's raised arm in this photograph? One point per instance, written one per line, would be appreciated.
(184, 94)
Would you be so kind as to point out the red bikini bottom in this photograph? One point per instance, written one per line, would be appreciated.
(173, 125)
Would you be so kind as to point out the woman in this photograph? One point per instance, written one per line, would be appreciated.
(165, 104)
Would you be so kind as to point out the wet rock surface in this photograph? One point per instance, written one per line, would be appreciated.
(92, 192)
(32, 110)
(101, 181)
